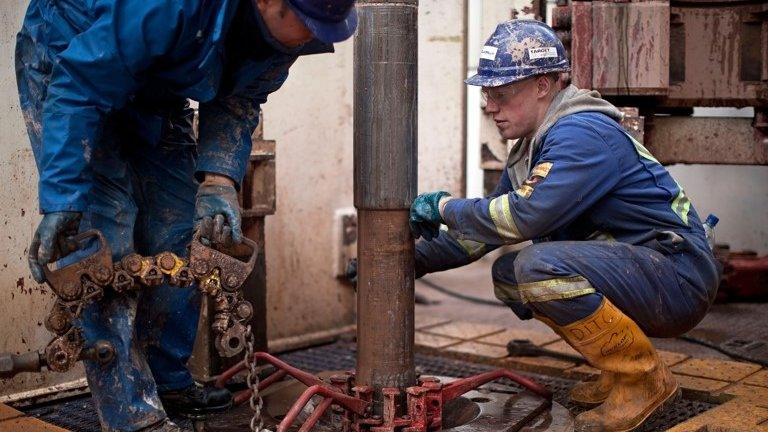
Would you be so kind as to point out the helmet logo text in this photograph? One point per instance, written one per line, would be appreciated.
(489, 52)
(542, 52)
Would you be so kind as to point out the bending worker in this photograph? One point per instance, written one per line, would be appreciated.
(618, 254)
(104, 88)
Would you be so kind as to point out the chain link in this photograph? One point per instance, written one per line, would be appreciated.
(134, 272)
(252, 380)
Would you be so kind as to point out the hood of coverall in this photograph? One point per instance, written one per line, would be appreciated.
(570, 100)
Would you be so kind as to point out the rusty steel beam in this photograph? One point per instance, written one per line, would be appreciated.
(258, 201)
(581, 43)
(684, 54)
(635, 59)
(385, 151)
(706, 140)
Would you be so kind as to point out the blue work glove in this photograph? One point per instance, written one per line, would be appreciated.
(425, 219)
(52, 241)
(217, 214)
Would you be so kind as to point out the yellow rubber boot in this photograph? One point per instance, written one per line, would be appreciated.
(643, 384)
(585, 393)
(592, 393)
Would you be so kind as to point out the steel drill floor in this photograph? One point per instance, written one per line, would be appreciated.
(79, 415)
(737, 328)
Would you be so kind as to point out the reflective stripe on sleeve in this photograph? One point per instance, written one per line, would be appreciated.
(681, 205)
(502, 219)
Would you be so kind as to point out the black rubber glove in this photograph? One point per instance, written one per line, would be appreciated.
(217, 214)
(52, 241)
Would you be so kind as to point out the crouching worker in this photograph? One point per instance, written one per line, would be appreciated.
(618, 255)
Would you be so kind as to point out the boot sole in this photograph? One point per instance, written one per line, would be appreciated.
(663, 405)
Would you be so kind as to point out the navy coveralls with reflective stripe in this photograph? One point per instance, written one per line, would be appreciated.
(606, 220)
(103, 87)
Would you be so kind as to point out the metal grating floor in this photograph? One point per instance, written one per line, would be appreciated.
(79, 415)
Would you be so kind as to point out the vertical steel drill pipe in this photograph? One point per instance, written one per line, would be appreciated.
(385, 152)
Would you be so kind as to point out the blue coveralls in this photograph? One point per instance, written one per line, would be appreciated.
(606, 220)
(103, 86)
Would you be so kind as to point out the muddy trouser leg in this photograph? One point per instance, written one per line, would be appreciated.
(123, 391)
(566, 281)
(166, 324)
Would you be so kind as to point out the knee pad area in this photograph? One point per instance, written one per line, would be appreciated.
(503, 269)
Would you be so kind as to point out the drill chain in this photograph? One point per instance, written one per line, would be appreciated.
(79, 284)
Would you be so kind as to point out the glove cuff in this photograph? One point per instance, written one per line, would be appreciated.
(441, 204)
(216, 189)
(217, 179)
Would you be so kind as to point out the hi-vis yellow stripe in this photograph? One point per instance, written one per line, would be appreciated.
(546, 290)
(642, 151)
(502, 219)
(681, 205)
(473, 248)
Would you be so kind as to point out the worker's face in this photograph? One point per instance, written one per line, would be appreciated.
(283, 24)
(517, 107)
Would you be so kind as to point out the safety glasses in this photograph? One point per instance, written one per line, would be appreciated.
(502, 94)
